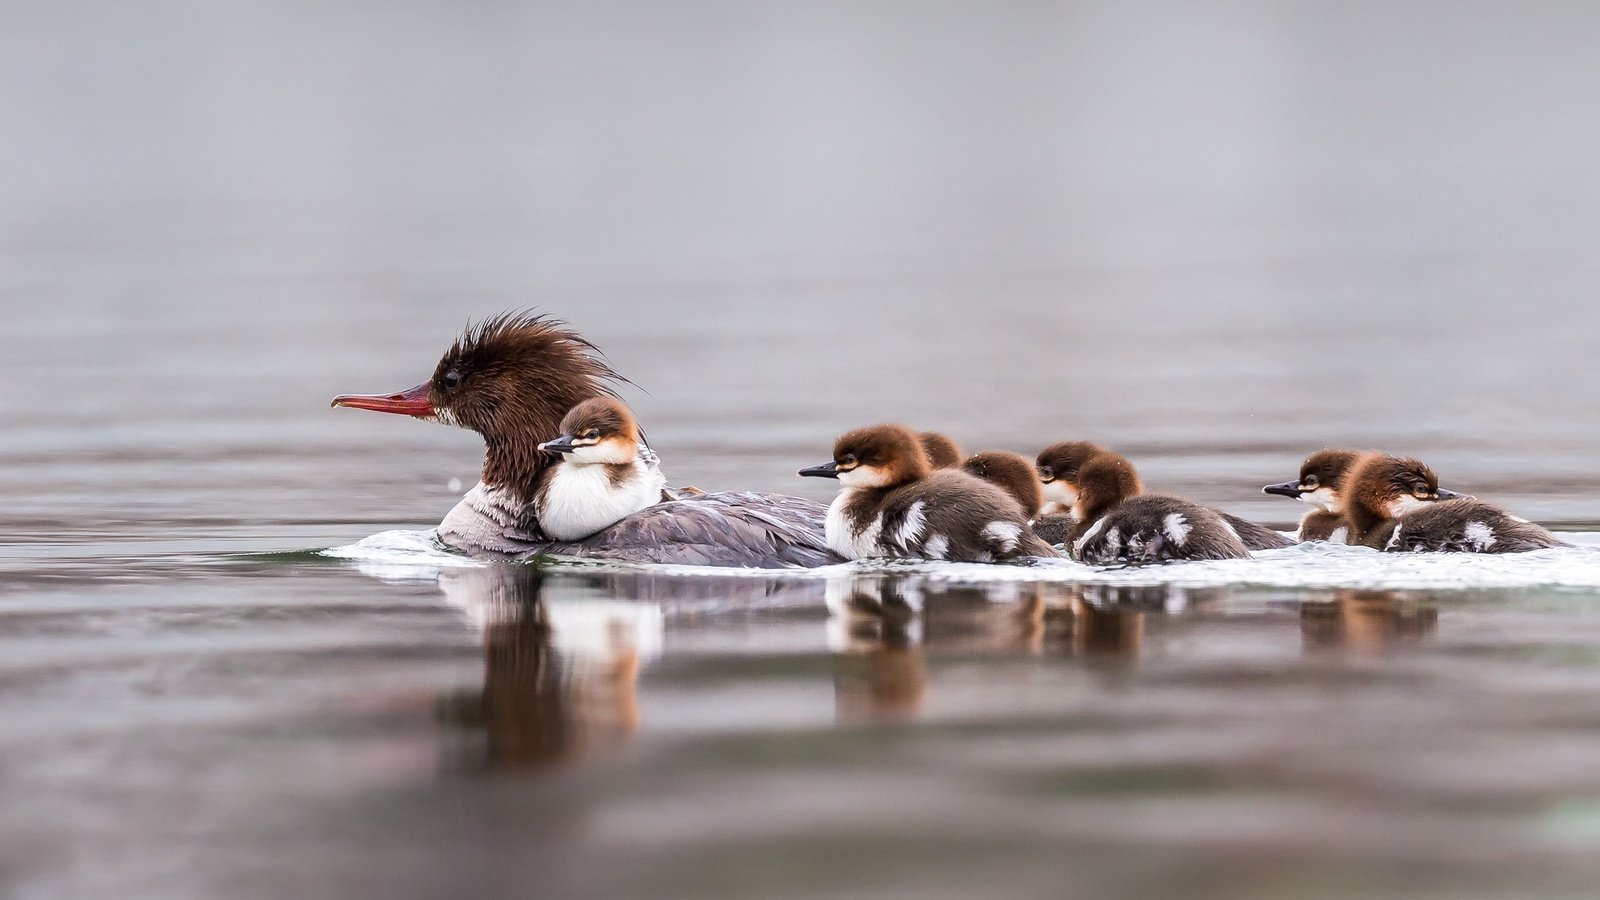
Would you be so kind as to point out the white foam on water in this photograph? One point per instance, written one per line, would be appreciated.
(417, 555)
(403, 556)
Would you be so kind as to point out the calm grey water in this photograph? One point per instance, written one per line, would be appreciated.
(1213, 236)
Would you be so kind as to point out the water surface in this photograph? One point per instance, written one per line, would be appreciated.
(1215, 238)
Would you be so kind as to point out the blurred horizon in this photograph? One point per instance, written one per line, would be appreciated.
(1217, 238)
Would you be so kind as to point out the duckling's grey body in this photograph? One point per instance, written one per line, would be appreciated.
(1321, 525)
(1461, 526)
(948, 515)
(1255, 537)
(1152, 528)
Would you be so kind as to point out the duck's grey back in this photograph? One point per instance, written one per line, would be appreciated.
(728, 529)
(731, 528)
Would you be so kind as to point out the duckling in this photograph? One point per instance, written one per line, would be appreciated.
(1012, 473)
(1058, 477)
(943, 452)
(1395, 504)
(1321, 484)
(1059, 465)
(1117, 523)
(1058, 471)
(605, 473)
(893, 503)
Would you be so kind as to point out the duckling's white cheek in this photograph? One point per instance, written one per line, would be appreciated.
(1060, 493)
(607, 453)
(1403, 504)
(1325, 497)
(863, 477)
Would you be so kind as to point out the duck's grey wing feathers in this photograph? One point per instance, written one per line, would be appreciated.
(735, 528)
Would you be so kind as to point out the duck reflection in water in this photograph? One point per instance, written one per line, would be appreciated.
(564, 650)
(1367, 621)
(560, 676)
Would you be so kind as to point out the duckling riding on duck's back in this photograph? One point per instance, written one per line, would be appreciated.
(512, 379)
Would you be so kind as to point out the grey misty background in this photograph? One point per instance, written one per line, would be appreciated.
(1214, 235)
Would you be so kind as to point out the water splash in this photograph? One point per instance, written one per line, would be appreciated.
(417, 555)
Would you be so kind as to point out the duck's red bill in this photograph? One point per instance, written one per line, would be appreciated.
(413, 402)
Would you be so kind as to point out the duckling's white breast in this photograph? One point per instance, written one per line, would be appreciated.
(581, 500)
(848, 536)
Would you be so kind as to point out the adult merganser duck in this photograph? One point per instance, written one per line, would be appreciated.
(1117, 523)
(606, 473)
(1395, 504)
(1321, 484)
(943, 452)
(511, 379)
(1059, 465)
(1010, 472)
(893, 503)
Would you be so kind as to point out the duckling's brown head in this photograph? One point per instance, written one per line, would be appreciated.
(598, 431)
(1058, 466)
(943, 452)
(1012, 472)
(1104, 480)
(1386, 486)
(1322, 479)
(878, 456)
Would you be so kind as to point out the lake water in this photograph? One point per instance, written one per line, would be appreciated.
(1214, 238)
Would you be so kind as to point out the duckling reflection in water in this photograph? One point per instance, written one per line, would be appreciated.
(1367, 620)
(1108, 622)
(882, 626)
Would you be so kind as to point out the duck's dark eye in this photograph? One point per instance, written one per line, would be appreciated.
(848, 461)
(591, 435)
(1310, 481)
(1421, 490)
(1046, 473)
(451, 380)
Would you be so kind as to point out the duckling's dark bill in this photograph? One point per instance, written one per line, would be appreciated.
(826, 470)
(1443, 494)
(413, 402)
(1289, 489)
(561, 444)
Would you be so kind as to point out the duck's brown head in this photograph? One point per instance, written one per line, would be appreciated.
(598, 431)
(880, 456)
(1012, 472)
(943, 452)
(1104, 480)
(1322, 479)
(1058, 466)
(510, 378)
(1383, 486)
